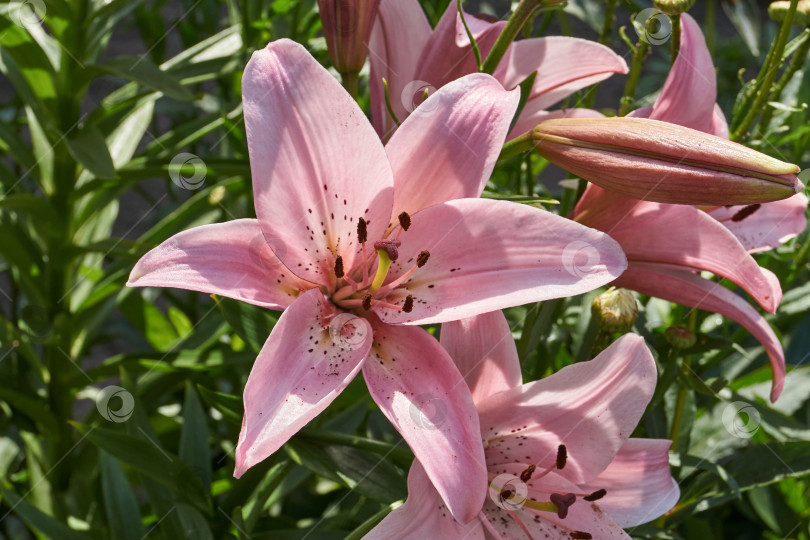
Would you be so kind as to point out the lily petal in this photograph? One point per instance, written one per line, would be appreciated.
(655, 232)
(312, 354)
(590, 407)
(767, 226)
(421, 392)
(448, 53)
(692, 290)
(564, 65)
(397, 41)
(484, 351)
(690, 91)
(317, 164)
(448, 146)
(424, 515)
(229, 259)
(638, 482)
(487, 255)
(546, 525)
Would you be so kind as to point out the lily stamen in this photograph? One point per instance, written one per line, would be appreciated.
(421, 260)
(362, 237)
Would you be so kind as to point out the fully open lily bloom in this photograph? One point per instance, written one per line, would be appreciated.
(658, 161)
(355, 241)
(688, 99)
(414, 58)
(667, 247)
(560, 462)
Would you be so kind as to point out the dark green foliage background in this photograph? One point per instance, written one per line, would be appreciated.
(94, 105)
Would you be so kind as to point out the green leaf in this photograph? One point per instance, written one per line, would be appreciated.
(194, 448)
(89, 148)
(144, 454)
(123, 515)
(252, 323)
(368, 474)
(147, 318)
(141, 70)
(38, 520)
(230, 406)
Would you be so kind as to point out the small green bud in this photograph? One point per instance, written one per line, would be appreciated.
(680, 337)
(615, 310)
(673, 7)
(778, 11)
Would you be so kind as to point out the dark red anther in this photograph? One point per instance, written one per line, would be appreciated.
(407, 307)
(367, 302)
(745, 212)
(339, 267)
(362, 231)
(390, 247)
(422, 258)
(506, 494)
(563, 502)
(596, 495)
(526, 475)
(404, 221)
(562, 456)
(581, 535)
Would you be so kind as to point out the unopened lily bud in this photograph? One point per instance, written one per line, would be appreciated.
(615, 310)
(662, 162)
(347, 26)
(673, 7)
(680, 337)
(778, 11)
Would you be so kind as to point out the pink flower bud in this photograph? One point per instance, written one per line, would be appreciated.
(662, 162)
(347, 26)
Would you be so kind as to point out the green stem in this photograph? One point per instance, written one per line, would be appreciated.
(607, 23)
(518, 145)
(639, 55)
(796, 63)
(676, 37)
(588, 340)
(680, 400)
(711, 10)
(350, 83)
(520, 16)
(770, 69)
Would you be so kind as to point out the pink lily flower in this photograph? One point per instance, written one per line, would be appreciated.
(358, 244)
(688, 99)
(668, 245)
(559, 458)
(413, 58)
